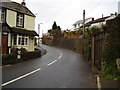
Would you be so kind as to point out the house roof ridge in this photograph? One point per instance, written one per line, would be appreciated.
(17, 7)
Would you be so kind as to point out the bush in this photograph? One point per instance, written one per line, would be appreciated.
(111, 50)
(31, 55)
(12, 58)
(9, 58)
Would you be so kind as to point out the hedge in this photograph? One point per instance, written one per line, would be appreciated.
(12, 58)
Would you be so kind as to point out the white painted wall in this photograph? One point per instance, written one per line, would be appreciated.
(98, 24)
(11, 18)
(29, 22)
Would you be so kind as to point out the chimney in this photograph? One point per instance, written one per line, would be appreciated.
(23, 3)
(92, 19)
(102, 15)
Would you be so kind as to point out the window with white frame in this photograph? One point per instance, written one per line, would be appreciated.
(20, 20)
(20, 39)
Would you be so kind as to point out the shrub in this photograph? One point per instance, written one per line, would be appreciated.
(111, 49)
(9, 58)
(31, 55)
(12, 58)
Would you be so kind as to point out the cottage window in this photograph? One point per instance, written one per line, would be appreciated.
(15, 39)
(20, 20)
(20, 40)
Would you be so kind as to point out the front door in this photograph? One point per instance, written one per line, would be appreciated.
(4, 44)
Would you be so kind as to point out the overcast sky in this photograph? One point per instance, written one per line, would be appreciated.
(67, 12)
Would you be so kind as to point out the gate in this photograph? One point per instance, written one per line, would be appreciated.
(98, 45)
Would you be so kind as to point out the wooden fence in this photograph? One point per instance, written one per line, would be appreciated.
(98, 41)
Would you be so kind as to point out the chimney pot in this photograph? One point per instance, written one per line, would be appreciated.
(23, 3)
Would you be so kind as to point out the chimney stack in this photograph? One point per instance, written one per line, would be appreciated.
(23, 3)
(92, 19)
(102, 15)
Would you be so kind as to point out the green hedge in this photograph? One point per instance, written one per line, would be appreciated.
(12, 58)
(9, 58)
(31, 55)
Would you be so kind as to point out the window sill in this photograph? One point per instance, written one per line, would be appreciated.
(22, 45)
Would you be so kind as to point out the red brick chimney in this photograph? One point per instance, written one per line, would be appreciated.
(92, 19)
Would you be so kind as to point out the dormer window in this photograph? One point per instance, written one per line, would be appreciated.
(20, 20)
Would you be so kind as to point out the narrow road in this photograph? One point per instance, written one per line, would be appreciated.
(59, 68)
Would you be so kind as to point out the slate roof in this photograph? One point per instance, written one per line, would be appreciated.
(6, 27)
(17, 7)
(81, 21)
(23, 31)
(100, 19)
(96, 21)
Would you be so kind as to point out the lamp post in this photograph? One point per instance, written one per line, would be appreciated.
(39, 33)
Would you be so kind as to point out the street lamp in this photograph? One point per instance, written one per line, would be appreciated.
(39, 33)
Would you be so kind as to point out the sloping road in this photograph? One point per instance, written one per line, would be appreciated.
(59, 68)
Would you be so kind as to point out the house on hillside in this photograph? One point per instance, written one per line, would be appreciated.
(79, 23)
(18, 24)
(98, 22)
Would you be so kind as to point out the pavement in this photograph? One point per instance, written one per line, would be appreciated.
(106, 83)
(110, 83)
(58, 68)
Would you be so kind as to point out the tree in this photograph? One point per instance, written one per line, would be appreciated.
(54, 26)
(55, 31)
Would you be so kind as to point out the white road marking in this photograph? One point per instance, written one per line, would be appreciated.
(59, 57)
(98, 83)
(5, 66)
(21, 77)
(60, 54)
(52, 62)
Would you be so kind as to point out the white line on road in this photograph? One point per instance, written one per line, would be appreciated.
(5, 66)
(98, 83)
(59, 57)
(60, 54)
(52, 62)
(21, 77)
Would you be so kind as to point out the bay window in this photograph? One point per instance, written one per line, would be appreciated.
(20, 39)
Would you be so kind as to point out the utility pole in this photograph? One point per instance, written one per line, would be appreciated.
(83, 22)
(83, 32)
(0, 45)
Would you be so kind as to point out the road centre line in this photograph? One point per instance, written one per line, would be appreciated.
(51, 62)
(21, 77)
(60, 54)
(59, 57)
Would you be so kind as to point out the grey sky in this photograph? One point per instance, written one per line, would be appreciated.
(67, 12)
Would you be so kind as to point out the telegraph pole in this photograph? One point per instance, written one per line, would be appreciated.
(0, 45)
(83, 32)
(83, 22)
